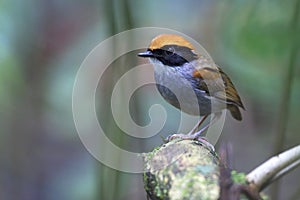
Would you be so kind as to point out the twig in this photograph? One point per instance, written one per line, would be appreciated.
(229, 189)
(274, 168)
(282, 173)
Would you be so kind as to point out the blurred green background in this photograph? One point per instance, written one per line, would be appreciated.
(43, 43)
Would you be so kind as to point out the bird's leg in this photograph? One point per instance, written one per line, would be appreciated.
(192, 135)
(197, 125)
(198, 134)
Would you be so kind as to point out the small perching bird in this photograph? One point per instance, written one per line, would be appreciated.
(178, 68)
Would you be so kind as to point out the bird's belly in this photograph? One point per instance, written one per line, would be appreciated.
(179, 92)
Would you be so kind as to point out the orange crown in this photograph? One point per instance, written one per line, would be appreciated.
(169, 39)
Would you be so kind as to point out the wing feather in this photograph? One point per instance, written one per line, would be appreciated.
(218, 85)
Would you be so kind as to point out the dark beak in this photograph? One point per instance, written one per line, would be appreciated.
(146, 54)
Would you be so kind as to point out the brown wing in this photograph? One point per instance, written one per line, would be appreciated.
(218, 85)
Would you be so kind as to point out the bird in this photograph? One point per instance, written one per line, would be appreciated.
(182, 75)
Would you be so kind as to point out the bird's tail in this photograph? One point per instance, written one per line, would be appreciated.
(235, 112)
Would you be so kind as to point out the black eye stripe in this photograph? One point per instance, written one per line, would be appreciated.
(173, 55)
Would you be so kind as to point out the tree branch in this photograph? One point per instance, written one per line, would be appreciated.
(182, 169)
(274, 168)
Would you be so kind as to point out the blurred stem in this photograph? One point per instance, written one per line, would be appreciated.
(128, 18)
(118, 15)
(284, 105)
(106, 176)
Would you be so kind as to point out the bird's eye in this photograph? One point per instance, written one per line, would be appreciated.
(170, 51)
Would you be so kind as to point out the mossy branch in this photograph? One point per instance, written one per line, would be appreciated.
(187, 169)
(182, 169)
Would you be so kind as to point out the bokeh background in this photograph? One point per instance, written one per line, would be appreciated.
(43, 42)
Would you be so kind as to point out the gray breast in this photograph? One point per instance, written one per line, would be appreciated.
(176, 87)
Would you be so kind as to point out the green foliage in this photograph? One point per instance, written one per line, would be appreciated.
(237, 177)
(256, 45)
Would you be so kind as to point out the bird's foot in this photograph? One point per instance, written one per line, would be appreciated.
(179, 136)
(195, 137)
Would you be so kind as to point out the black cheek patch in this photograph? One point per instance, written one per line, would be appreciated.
(172, 60)
(177, 57)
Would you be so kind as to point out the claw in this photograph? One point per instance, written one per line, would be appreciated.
(204, 141)
(165, 140)
(180, 136)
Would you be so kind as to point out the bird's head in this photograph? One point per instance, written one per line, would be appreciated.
(171, 50)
